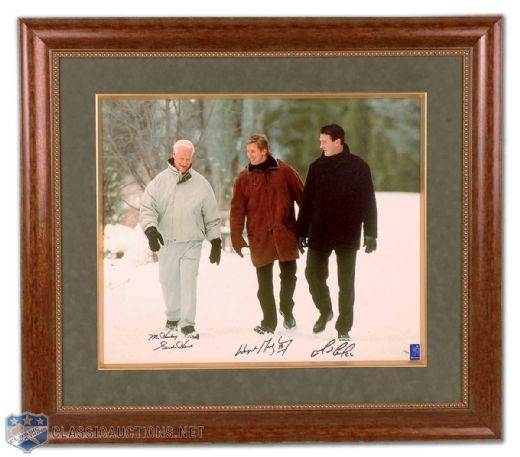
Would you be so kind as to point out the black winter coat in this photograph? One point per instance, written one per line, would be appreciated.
(338, 198)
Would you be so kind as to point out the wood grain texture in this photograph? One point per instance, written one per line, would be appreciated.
(481, 419)
(267, 34)
(486, 230)
(37, 234)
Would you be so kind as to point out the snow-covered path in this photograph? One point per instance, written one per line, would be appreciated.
(386, 313)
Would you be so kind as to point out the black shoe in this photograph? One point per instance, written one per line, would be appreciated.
(288, 320)
(261, 329)
(190, 332)
(343, 336)
(321, 323)
(172, 325)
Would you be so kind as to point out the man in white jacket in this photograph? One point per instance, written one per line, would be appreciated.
(179, 211)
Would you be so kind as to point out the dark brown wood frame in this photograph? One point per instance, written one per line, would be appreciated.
(480, 37)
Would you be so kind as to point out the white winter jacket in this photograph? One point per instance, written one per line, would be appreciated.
(183, 208)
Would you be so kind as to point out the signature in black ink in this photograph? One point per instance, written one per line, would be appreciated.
(163, 345)
(269, 347)
(162, 335)
(343, 350)
(169, 340)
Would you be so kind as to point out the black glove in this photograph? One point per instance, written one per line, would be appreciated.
(370, 243)
(239, 250)
(302, 243)
(216, 247)
(154, 238)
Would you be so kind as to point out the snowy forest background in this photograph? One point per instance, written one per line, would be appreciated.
(137, 138)
(138, 134)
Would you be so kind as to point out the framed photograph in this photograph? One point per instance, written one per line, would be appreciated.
(130, 293)
(262, 229)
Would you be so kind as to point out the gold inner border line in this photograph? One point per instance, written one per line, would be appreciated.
(299, 407)
(420, 96)
(54, 60)
(256, 95)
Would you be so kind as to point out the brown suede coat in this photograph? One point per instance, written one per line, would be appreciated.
(266, 200)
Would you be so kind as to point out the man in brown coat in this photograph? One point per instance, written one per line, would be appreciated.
(264, 194)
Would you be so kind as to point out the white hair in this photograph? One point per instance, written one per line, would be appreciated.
(185, 143)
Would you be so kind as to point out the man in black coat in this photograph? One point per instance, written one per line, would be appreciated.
(338, 198)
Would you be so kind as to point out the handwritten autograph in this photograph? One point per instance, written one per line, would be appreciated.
(343, 350)
(269, 347)
(164, 337)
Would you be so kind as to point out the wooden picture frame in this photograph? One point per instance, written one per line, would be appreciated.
(478, 40)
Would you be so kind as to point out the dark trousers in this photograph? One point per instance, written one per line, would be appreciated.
(266, 293)
(317, 272)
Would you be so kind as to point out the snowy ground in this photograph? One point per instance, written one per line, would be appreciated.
(386, 311)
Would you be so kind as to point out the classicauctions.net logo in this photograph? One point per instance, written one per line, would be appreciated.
(26, 431)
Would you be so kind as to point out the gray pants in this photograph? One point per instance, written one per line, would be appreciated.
(178, 271)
